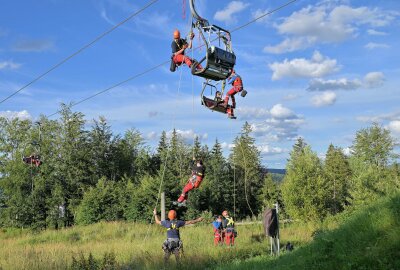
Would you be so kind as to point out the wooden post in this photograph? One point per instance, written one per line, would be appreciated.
(162, 205)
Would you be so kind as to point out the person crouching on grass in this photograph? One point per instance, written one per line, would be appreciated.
(173, 244)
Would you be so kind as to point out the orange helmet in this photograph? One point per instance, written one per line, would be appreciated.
(172, 214)
(225, 213)
(177, 34)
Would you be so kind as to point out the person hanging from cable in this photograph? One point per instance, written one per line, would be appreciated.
(32, 160)
(218, 232)
(237, 86)
(198, 173)
(228, 226)
(173, 244)
(179, 45)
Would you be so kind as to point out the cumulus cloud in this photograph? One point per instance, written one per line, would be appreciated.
(186, 135)
(9, 65)
(326, 24)
(394, 127)
(22, 115)
(372, 45)
(370, 80)
(226, 15)
(317, 66)
(269, 150)
(281, 124)
(374, 79)
(339, 84)
(225, 145)
(347, 151)
(258, 13)
(324, 99)
(252, 112)
(38, 45)
(291, 97)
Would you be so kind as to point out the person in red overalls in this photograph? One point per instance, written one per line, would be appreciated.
(179, 45)
(237, 84)
(194, 181)
(218, 231)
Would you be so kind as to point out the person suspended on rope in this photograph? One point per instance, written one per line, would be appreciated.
(32, 160)
(228, 226)
(218, 232)
(237, 86)
(173, 243)
(179, 45)
(198, 173)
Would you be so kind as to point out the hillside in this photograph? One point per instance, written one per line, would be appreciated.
(367, 239)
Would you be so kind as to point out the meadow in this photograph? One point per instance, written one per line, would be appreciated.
(133, 246)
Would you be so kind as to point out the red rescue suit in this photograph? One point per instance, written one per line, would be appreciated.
(178, 59)
(193, 182)
(237, 84)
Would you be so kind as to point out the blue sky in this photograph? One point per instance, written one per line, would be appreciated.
(317, 69)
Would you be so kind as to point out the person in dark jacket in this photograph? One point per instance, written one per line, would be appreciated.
(228, 226)
(178, 46)
(198, 172)
(173, 243)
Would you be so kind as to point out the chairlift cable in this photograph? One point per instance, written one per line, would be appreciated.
(81, 49)
(167, 61)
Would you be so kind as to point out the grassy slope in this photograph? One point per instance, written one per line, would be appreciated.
(368, 239)
(21, 249)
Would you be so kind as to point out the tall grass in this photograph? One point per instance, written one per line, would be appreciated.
(369, 238)
(54, 249)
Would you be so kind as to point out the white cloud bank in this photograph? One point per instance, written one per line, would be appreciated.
(317, 66)
(9, 65)
(327, 24)
(370, 80)
(22, 115)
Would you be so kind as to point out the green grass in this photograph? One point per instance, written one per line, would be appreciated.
(367, 239)
(51, 249)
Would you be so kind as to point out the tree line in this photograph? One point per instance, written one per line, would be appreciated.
(90, 174)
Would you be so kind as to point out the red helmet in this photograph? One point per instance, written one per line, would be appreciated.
(177, 34)
(172, 214)
(225, 213)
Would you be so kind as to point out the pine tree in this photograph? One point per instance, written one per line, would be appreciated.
(338, 173)
(305, 189)
(245, 157)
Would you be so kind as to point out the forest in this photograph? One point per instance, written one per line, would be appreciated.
(89, 174)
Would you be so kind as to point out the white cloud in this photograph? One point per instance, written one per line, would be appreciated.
(372, 45)
(259, 13)
(37, 45)
(317, 66)
(225, 145)
(188, 135)
(370, 80)
(269, 150)
(347, 151)
(380, 118)
(9, 65)
(281, 124)
(326, 24)
(252, 112)
(374, 79)
(373, 32)
(394, 127)
(22, 115)
(324, 99)
(339, 84)
(279, 111)
(226, 15)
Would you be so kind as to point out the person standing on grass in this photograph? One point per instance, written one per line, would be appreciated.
(218, 233)
(228, 226)
(173, 244)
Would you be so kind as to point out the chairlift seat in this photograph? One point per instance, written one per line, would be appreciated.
(218, 64)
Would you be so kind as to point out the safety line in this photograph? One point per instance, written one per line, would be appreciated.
(163, 63)
(80, 50)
